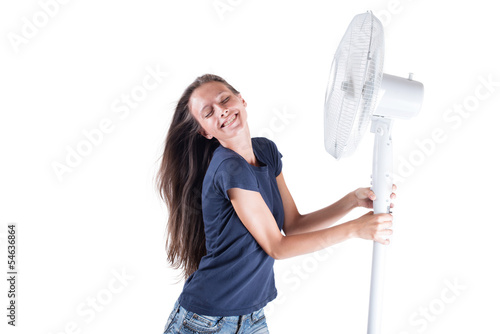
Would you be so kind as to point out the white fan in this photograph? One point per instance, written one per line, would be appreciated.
(359, 92)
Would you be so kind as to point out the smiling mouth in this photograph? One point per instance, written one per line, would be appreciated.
(229, 121)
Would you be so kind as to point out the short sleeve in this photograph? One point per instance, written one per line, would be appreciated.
(276, 156)
(234, 173)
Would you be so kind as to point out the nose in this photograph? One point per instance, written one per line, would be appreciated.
(224, 111)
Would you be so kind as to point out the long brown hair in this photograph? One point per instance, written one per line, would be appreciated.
(185, 160)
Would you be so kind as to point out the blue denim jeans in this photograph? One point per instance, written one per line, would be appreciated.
(182, 321)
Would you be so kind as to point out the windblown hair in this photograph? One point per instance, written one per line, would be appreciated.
(179, 180)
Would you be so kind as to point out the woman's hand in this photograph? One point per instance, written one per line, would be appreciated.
(373, 227)
(365, 197)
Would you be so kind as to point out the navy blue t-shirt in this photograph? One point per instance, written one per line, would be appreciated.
(236, 276)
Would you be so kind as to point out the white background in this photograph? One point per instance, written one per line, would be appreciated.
(102, 218)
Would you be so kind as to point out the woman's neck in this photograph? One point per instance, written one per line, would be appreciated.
(242, 144)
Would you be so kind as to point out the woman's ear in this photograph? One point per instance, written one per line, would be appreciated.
(242, 100)
(204, 134)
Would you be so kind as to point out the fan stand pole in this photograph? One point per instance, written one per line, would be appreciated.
(382, 187)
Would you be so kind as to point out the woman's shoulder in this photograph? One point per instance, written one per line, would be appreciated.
(224, 157)
(266, 146)
(263, 143)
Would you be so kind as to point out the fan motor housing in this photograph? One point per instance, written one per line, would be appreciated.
(399, 97)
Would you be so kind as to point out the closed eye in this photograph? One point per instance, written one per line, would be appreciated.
(212, 111)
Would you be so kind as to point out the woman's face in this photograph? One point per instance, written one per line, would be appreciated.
(219, 111)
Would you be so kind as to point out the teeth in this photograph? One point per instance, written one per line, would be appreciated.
(229, 121)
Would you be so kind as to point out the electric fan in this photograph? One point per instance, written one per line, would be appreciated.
(359, 92)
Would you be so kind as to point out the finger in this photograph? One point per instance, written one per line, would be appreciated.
(383, 235)
(386, 232)
(393, 195)
(384, 217)
(371, 195)
(383, 241)
(394, 187)
(385, 226)
(392, 205)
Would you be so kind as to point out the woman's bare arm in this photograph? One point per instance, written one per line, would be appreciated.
(296, 223)
(258, 219)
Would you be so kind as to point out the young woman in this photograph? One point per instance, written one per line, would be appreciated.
(228, 206)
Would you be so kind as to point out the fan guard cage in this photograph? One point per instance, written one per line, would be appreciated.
(355, 77)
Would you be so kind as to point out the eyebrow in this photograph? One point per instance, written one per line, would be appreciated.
(206, 106)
